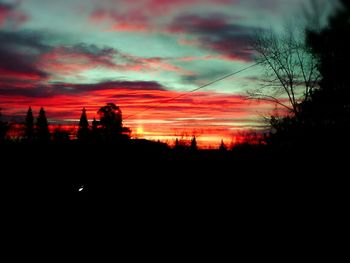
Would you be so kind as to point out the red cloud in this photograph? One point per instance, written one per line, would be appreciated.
(20, 76)
(166, 6)
(9, 15)
(4, 14)
(78, 58)
(126, 26)
(133, 20)
(83, 54)
(144, 15)
(159, 63)
(74, 59)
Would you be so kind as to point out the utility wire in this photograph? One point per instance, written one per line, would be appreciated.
(194, 90)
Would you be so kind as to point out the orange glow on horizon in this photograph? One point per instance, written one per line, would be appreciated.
(210, 116)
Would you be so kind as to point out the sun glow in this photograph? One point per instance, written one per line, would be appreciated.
(139, 130)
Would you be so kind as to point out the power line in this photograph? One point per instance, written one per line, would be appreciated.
(194, 90)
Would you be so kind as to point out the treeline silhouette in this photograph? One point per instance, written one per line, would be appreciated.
(322, 124)
(108, 129)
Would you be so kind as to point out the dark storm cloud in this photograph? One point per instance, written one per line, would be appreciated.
(218, 33)
(102, 56)
(31, 39)
(19, 55)
(52, 90)
(108, 85)
(99, 56)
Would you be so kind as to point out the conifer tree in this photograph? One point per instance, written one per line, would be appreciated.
(42, 127)
(222, 146)
(3, 128)
(83, 131)
(193, 146)
(29, 125)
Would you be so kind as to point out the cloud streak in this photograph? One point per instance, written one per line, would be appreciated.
(55, 89)
(83, 57)
(216, 32)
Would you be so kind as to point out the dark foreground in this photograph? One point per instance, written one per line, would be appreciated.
(138, 177)
(156, 200)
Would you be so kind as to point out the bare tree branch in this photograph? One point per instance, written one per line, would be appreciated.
(269, 99)
(291, 70)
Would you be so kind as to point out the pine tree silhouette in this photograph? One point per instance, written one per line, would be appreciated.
(3, 128)
(222, 146)
(29, 125)
(42, 127)
(177, 144)
(193, 146)
(83, 131)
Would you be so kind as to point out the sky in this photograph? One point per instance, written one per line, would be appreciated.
(69, 54)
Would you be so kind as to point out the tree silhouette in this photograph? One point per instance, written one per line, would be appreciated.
(4, 127)
(222, 146)
(291, 72)
(111, 121)
(60, 135)
(94, 124)
(177, 144)
(332, 50)
(83, 131)
(29, 125)
(329, 111)
(126, 131)
(182, 144)
(42, 127)
(324, 118)
(193, 145)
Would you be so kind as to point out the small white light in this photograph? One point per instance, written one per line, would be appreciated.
(81, 188)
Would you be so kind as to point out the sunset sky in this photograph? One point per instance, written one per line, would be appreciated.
(68, 54)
